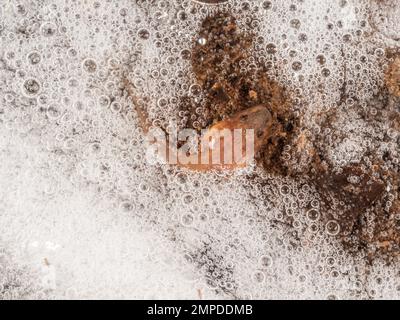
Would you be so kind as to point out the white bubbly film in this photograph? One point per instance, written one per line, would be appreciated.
(84, 216)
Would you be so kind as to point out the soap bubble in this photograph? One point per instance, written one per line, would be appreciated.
(31, 87)
(34, 57)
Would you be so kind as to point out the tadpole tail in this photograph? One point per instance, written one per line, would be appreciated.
(143, 116)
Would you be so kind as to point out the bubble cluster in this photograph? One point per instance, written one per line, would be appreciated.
(84, 215)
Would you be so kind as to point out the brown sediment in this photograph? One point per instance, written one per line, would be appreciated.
(383, 239)
(392, 81)
(219, 55)
(229, 83)
(393, 77)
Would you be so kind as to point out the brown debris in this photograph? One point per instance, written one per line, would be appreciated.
(217, 60)
(220, 63)
(355, 189)
(393, 77)
(229, 85)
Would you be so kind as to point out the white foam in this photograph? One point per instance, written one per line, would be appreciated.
(81, 213)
